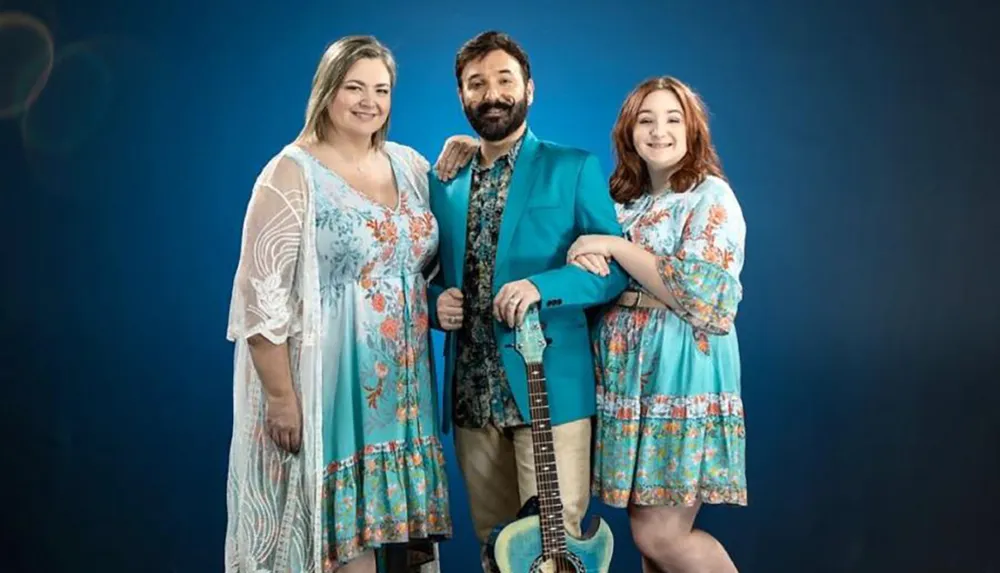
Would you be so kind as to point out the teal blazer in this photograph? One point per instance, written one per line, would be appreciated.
(557, 193)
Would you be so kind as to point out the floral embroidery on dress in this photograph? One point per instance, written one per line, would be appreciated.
(699, 265)
(385, 481)
(402, 498)
(670, 424)
(699, 280)
(690, 446)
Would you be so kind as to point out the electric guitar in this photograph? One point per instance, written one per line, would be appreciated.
(537, 540)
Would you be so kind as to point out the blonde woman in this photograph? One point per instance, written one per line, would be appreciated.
(336, 463)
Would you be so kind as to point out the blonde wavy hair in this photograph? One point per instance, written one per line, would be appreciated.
(333, 66)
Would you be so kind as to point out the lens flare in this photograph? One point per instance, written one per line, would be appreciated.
(27, 55)
(73, 105)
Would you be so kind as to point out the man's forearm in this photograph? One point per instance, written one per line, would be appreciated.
(574, 287)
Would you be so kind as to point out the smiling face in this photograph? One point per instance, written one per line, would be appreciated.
(495, 96)
(661, 141)
(362, 103)
(660, 132)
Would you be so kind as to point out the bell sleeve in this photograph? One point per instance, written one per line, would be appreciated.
(265, 298)
(703, 272)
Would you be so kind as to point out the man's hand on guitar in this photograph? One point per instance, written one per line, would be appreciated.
(513, 301)
(449, 309)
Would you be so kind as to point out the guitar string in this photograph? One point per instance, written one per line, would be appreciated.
(554, 544)
(551, 506)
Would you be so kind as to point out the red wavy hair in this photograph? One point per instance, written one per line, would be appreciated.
(630, 178)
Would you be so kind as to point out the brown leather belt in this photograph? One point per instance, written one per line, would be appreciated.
(634, 299)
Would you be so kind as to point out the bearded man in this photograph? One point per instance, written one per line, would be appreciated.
(507, 220)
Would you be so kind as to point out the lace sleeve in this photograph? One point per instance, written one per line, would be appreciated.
(703, 274)
(265, 297)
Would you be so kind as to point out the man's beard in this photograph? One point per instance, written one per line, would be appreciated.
(499, 127)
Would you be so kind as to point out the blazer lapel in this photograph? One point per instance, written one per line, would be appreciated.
(458, 192)
(517, 195)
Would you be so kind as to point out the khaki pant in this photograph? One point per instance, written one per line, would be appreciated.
(499, 471)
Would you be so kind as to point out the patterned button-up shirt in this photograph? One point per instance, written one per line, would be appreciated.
(482, 393)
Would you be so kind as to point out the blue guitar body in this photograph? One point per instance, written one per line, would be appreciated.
(517, 546)
(537, 541)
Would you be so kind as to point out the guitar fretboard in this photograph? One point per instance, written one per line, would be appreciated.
(550, 502)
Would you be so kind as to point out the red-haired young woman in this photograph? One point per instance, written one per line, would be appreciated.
(670, 430)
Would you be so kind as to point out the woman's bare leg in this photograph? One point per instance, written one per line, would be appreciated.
(666, 538)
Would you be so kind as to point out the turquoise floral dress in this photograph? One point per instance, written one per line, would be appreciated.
(385, 480)
(670, 427)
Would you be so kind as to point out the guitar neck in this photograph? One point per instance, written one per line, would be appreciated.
(550, 501)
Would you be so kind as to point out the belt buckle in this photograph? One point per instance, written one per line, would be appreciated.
(638, 299)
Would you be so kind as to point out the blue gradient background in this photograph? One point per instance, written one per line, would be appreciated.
(860, 140)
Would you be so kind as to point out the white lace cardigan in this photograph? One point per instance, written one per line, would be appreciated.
(274, 498)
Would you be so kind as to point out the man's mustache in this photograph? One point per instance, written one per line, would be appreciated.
(486, 107)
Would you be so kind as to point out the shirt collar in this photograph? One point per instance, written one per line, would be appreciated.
(509, 157)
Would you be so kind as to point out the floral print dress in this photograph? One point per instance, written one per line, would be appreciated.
(670, 427)
(385, 480)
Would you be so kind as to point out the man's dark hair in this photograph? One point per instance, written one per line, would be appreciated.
(485, 43)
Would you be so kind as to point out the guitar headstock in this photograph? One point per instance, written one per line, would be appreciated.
(529, 339)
